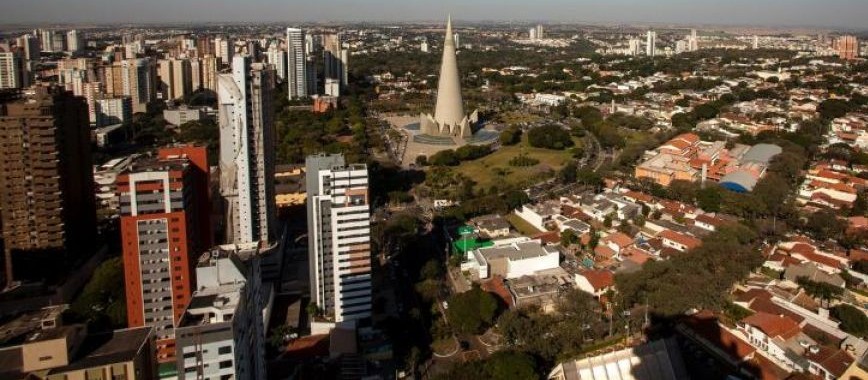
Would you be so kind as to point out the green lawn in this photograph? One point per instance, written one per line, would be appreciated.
(521, 225)
(494, 169)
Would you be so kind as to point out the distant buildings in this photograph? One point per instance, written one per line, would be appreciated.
(136, 78)
(247, 153)
(176, 78)
(113, 110)
(847, 47)
(46, 172)
(339, 237)
(296, 64)
(651, 43)
(165, 220)
(335, 59)
(536, 33)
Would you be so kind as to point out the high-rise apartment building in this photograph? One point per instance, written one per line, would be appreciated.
(113, 110)
(338, 219)
(847, 47)
(277, 57)
(651, 43)
(74, 41)
(336, 58)
(136, 78)
(163, 231)
(635, 46)
(13, 69)
(224, 49)
(209, 72)
(222, 333)
(46, 177)
(30, 45)
(247, 155)
(296, 62)
(176, 78)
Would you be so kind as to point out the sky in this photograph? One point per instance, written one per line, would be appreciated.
(823, 13)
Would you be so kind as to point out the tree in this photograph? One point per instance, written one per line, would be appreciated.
(445, 158)
(472, 311)
(825, 224)
(820, 290)
(569, 173)
(550, 137)
(510, 136)
(568, 238)
(509, 365)
(852, 319)
(833, 108)
(102, 301)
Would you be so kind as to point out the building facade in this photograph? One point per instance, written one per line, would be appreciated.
(296, 62)
(46, 177)
(246, 119)
(164, 226)
(221, 335)
(338, 217)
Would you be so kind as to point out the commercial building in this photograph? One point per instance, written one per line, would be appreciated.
(339, 242)
(70, 352)
(222, 333)
(659, 359)
(183, 114)
(687, 158)
(164, 226)
(46, 171)
(511, 260)
(296, 62)
(246, 119)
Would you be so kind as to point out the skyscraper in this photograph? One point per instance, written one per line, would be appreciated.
(338, 219)
(163, 231)
(847, 47)
(651, 43)
(635, 46)
(209, 72)
(46, 180)
(296, 62)
(247, 155)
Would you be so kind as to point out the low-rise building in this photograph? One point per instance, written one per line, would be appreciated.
(512, 260)
(595, 282)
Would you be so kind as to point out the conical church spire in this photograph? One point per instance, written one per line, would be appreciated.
(450, 108)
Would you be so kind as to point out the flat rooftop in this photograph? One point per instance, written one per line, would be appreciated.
(516, 251)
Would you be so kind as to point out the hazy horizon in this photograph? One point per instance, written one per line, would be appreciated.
(846, 14)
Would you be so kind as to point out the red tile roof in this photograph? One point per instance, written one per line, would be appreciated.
(688, 241)
(705, 325)
(833, 360)
(599, 279)
(773, 325)
(619, 238)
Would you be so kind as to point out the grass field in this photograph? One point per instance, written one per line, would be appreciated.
(494, 169)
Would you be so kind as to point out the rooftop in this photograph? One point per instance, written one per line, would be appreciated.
(516, 251)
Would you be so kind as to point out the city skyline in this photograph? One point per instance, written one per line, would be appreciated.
(848, 14)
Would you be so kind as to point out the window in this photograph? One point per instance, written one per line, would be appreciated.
(226, 364)
(44, 358)
(224, 350)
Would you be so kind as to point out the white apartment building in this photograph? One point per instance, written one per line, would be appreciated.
(246, 119)
(296, 62)
(222, 332)
(338, 217)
